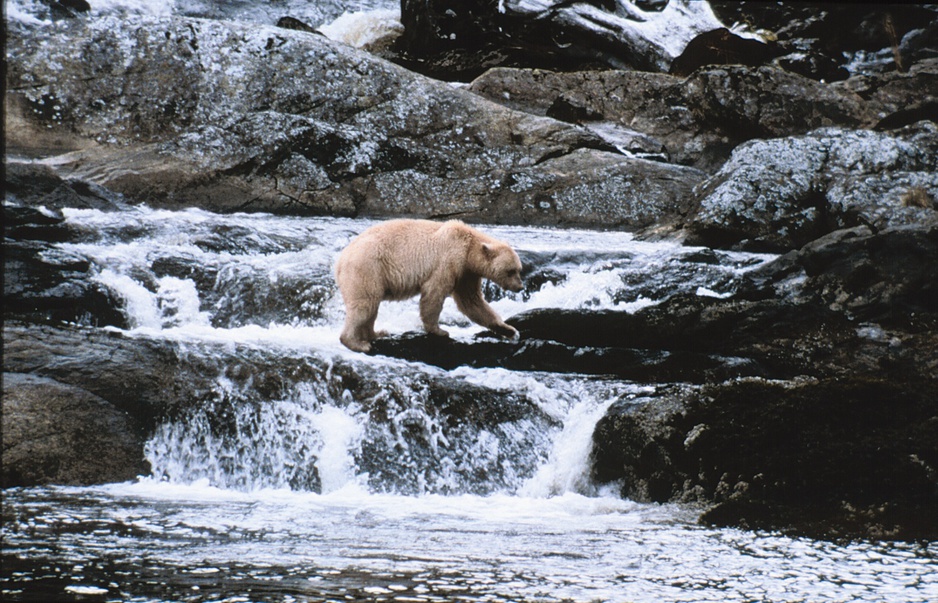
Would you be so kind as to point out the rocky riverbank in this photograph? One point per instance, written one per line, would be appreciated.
(803, 400)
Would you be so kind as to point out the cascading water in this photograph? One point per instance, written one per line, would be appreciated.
(261, 280)
(265, 281)
(298, 470)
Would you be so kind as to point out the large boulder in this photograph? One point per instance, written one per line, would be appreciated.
(844, 458)
(887, 278)
(178, 112)
(459, 40)
(54, 433)
(780, 194)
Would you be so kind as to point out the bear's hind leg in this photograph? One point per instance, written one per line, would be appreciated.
(359, 329)
(431, 304)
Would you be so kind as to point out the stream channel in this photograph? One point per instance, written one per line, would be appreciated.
(369, 478)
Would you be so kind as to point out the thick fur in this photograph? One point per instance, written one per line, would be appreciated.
(399, 259)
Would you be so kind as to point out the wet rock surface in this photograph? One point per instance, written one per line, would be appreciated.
(843, 458)
(546, 354)
(817, 40)
(55, 433)
(292, 122)
(37, 286)
(460, 40)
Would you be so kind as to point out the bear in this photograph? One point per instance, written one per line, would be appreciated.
(399, 259)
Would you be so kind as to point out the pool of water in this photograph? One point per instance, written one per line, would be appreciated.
(151, 541)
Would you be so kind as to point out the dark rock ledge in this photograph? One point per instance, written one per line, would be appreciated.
(833, 458)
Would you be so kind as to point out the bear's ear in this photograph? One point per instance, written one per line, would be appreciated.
(489, 251)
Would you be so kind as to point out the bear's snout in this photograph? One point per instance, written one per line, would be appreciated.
(514, 285)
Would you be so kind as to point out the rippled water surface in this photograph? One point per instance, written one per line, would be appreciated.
(159, 542)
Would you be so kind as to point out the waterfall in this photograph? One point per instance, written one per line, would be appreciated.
(252, 297)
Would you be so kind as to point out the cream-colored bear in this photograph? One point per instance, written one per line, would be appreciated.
(398, 259)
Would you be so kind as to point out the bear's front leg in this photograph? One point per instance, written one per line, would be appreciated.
(469, 300)
(505, 330)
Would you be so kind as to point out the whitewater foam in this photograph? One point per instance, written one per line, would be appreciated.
(365, 29)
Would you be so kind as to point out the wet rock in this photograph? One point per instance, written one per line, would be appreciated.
(352, 135)
(850, 457)
(886, 278)
(42, 284)
(823, 42)
(698, 120)
(898, 98)
(460, 40)
(615, 360)
(722, 47)
(649, 107)
(853, 302)
(43, 290)
(55, 433)
(780, 194)
(310, 14)
(768, 338)
(295, 24)
(64, 9)
(135, 376)
(747, 103)
(830, 42)
(36, 185)
(844, 329)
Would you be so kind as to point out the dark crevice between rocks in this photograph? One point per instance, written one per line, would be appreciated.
(924, 110)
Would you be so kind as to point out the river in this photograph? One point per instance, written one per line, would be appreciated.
(320, 491)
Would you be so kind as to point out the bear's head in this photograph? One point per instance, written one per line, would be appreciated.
(503, 266)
